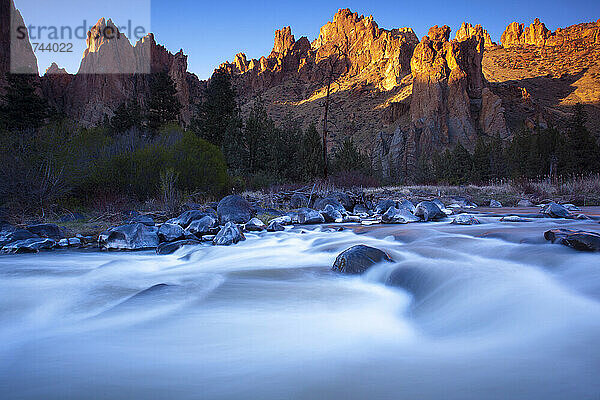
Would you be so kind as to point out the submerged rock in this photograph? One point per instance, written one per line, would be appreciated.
(358, 259)
(229, 234)
(255, 225)
(131, 237)
(578, 240)
(32, 245)
(234, 209)
(330, 214)
(514, 218)
(429, 211)
(465, 219)
(554, 210)
(51, 231)
(172, 247)
(398, 216)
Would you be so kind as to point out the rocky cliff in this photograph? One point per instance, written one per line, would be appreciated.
(113, 71)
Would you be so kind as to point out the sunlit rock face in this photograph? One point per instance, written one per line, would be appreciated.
(467, 31)
(537, 34)
(113, 71)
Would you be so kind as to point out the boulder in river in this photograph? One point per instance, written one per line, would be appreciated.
(171, 232)
(524, 203)
(330, 214)
(360, 209)
(429, 211)
(228, 235)
(283, 220)
(172, 247)
(12, 236)
(131, 237)
(275, 226)
(465, 219)
(255, 225)
(187, 217)
(384, 205)
(32, 245)
(407, 205)
(398, 216)
(310, 217)
(320, 204)
(358, 259)
(234, 209)
(298, 200)
(51, 231)
(578, 240)
(554, 210)
(514, 218)
(495, 204)
(203, 226)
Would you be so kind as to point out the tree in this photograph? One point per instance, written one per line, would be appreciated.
(163, 105)
(127, 116)
(312, 162)
(331, 69)
(481, 162)
(23, 108)
(580, 152)
(217, 109)
(348, 158)
(460, 165)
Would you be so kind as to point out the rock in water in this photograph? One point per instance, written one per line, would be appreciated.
(524, 203)
(578, 240)
(203, 226)
(358, 259)
(331, 214)
(15, 235)
(32, 245)
(229, 234)
(51, 231)
(298, 201)
(398, 216)
(554, 210)
(465, 219)
(310, 217)
(320, 204)
(495, 204)
(283, 220)
(360, 209)
(429, 211)
(172, 247)
(407, 205)
(275, 226)
(384, 205)
(132, 237)
(234, 209)
(170, 232)
(255, 225)
(187, 217)
(514, 218)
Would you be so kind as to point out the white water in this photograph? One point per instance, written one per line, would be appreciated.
(483, 312)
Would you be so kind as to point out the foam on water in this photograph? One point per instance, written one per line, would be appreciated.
(486, 311)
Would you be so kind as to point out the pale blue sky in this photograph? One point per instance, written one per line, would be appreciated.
(211, 32)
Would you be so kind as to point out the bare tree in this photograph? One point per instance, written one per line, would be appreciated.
(330, 71)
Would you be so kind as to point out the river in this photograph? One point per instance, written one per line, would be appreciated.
(490, 311)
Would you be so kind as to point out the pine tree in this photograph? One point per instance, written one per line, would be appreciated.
(163, 105)
(481, 162)
(460, 165)
(498, 159)
(312, 153)
(23, 108)
(217, 109)
(349, 158)
(127, 116)
(580, 152)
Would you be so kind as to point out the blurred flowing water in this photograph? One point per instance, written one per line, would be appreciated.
(480, 312)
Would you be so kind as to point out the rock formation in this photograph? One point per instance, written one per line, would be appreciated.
(467, 31)
(112, 71)
(537, 34)
(17, 53)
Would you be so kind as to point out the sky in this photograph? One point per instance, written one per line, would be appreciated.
(211, 32)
